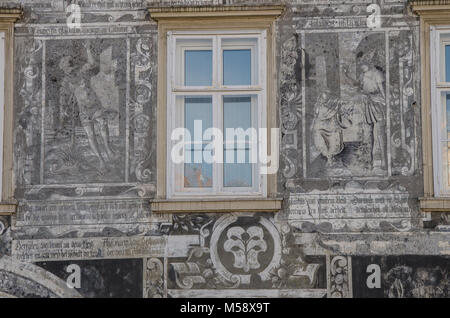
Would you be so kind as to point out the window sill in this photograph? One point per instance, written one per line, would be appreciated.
(7, 208)
(433, 204)
(216, 205)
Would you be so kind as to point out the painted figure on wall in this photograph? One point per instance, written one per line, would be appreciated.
(85, 92)
(77, 87)
(104, 85)
(358, 110)
(371, 87)
(328, 125)
(417, 282)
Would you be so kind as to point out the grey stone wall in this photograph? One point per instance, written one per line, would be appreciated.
(346, 206)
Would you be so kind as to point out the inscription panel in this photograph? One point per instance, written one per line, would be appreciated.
(88, 248)
(374, 205)
(78, 212)
(102, 248)
(332, 212)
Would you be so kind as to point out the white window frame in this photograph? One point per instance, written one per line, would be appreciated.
(175, 188)
(2, 103)
(439, 115)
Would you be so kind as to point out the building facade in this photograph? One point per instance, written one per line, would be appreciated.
(350, 99)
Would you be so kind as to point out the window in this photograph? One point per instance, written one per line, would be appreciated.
(2, 99)
(216, 81)
(440, 104)
(7, 19)
(216, 73)
(435, 85)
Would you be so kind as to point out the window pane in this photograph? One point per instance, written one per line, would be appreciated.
(197, 118)
(237, 112)
(445, 157)
(447, 63)
(237, 169)
(237, 67)
(2, 100)
(237, 174)
(447, 107)
(197, 175)
(445, 142)
(447, 163)
(198, 109)
(198, 68)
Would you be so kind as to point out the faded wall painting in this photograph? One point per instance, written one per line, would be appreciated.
(346, 99)
(350, 163)
(86, 111)
(348, 96)
(84, 130)
(243, 254)
(349, 120)
(103, 278)
(403, 276)
(85, 121)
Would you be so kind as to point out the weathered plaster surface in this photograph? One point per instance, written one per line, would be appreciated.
(346, 206)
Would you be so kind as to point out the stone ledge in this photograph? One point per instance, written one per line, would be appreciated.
(429, 2)
(7, 208)
(432, 204)
(431, 9)
(214, 11)
(216, 205)
(10, 15)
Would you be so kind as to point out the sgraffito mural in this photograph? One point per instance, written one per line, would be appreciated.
(404, 277)
(348, 104)
(349, 120)
(84, 120)
(349, 113)
(82, 130)
(250, 253)
(92, 101)
(350, 163)
(103, 278)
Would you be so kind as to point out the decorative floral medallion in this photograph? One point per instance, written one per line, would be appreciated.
(241, 248)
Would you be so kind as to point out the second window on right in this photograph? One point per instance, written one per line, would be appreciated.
(440, 100)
